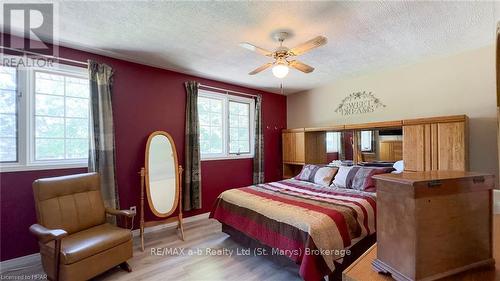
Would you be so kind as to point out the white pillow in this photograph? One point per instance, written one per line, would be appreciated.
(341, 177)
(399, 166)
(324, 175)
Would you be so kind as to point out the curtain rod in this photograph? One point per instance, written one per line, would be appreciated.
(226, 90)
(46, 56)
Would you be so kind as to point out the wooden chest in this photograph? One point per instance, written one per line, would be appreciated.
(433, 224)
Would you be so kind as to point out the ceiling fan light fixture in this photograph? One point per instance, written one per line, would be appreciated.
(280, 70)
(281, 55)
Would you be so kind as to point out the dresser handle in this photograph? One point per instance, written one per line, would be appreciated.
(478, 179)
(434, 183)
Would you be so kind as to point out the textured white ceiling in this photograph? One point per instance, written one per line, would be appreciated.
(202, 38)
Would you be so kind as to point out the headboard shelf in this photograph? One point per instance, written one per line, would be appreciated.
(426, 144)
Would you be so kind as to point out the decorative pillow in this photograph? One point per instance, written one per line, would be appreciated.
(350, 176)
(324, 175)
(307, 173)
(363, 179)
(341, 177)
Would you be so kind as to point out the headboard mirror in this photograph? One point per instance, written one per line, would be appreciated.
(379, 145)
(160, 178)
(339, 145)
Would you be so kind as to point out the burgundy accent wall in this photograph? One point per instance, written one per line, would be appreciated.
(145, 99)
(17, 210)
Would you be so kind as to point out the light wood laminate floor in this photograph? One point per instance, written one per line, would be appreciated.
(203, 234)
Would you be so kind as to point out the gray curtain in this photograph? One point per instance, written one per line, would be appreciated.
(192, 173)
(102, 140)
(258, 159)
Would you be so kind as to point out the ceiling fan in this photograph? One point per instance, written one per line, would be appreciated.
(282, 55)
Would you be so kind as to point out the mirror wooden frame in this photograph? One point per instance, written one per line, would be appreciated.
(145, 185)
(177, 175)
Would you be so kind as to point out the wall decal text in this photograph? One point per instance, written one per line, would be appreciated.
(359, 103)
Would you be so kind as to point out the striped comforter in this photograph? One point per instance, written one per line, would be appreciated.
(310, 224)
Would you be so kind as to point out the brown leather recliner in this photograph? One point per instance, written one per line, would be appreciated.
(72, 220)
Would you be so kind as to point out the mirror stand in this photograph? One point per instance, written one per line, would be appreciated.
(144, 223)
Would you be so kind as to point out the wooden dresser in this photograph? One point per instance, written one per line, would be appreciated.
(433, 224)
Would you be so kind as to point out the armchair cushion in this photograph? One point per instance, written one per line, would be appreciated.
(88, 242)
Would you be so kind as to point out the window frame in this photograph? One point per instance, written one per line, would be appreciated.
(226, 98)
(26, 121)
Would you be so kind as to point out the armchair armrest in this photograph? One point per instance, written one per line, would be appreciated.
(45, 235)
(125, 213)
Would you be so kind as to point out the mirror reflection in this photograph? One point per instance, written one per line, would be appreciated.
(380, 146)
(161, 180)
(372, 147)
(339, 146)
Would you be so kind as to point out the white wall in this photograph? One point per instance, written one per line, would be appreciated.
(459, 84)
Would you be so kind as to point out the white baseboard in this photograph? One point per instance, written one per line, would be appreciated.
(33, 258)
(173, 224)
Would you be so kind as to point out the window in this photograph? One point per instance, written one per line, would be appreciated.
(332, 141)
(210, 114)
(61, 117)
(366, 141)
(239, 127)
(44, 117)
(226, 126)
(8, 115)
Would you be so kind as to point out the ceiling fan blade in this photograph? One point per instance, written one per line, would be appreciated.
(309, 45)
(260, 68)
(301, 66)
(256, 49)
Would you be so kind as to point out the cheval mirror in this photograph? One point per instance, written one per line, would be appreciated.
(161, 178)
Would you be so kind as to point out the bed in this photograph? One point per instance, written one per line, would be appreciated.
(312, 225)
